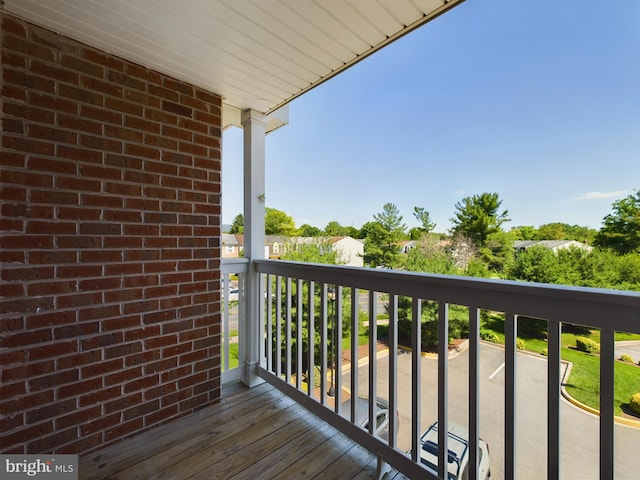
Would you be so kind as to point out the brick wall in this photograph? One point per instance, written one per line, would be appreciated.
(110, 213)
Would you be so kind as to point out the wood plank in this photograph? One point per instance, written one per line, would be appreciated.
(152, 450)
(259, 447)
(218, 452)
(348, 465)
(252, 433)
(318, 460)
(288, 454)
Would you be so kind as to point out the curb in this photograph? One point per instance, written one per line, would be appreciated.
(621, 420)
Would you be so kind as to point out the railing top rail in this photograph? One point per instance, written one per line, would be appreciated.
(234, 265)
(594, 307)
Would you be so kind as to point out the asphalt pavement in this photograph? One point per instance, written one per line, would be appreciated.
(579, 429)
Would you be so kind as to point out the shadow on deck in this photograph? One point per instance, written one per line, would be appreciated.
(254, 433)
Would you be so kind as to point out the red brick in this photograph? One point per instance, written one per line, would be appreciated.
(50, 411)
(100, 396)
(51, 442)
(103, 115)
(50, 319)
(84, 358)
(78, 300)
(80, 95)
(29, 113)
(123, 376)
(124, 106)
(76, 330)
(104, 201)
(122, 402)
(51, 288)
(142, 383)
(54, 198)
(53, 381)
(51, 165)
(98, 312)
(51, 71)
(100, 423)
(124, 429)
(78, 183)
(78, 417)
(28, 81)
(102, 340)
(54, 103)
(81, 154)
(102, 368)
(103, 59)
(25, 338)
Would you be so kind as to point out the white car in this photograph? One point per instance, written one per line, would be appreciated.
(458, 457)
(362, 415)
(234, 295)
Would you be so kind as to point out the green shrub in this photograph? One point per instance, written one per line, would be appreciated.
(489, 336)
(587, 345)
(634, 403)
(520, 344)
(626, 358)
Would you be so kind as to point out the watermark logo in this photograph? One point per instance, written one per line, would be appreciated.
(50, 467)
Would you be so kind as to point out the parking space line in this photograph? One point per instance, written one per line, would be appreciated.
(495, 372)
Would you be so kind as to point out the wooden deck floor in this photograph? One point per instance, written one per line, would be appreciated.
(252, 434)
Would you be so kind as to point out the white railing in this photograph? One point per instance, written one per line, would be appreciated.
(288, 363)
(233, 271)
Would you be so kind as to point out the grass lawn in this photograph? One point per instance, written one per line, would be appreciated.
(233, 356)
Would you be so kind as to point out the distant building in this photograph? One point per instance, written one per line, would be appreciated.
(350, 250)
(554, 245)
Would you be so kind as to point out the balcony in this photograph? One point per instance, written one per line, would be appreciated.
(526, 441)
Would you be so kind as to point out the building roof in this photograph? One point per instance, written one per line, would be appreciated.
(257, 55)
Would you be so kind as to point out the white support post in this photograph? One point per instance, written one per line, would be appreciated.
(254, 125)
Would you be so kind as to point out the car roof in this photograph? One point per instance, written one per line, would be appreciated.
(457, 445)
(362, 408)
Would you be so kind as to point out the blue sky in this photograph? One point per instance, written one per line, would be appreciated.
(536, 100)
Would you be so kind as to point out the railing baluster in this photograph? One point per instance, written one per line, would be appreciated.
(225, 319)
(607, 376)
(323, 344)
(311, 328)
(287, 340)
(553, 399)
(416, 378)
(510, 330)
(270, 344)
(355, 326)
(474, 391)
(393, 367)
(373, 371)
(337, 319)
(278, 353)
(299, 348)
(443, 389)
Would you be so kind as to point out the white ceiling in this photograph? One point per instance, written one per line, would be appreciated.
(257, 54)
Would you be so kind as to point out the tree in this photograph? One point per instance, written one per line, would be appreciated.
(426, 225)
(621, 228)
(320, 251)
(238, 224)
(307, 230)
(382, 237)
(524, 232)
(477, 217)
(278, 223)
(390, 219)
(429, 256)
(334, 229)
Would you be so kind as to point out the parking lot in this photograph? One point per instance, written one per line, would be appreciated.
(579, 429)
